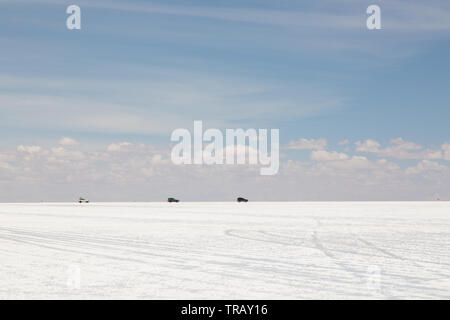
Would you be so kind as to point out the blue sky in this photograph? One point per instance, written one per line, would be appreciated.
(137, 70)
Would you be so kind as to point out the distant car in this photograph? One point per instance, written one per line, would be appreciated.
(82, 200)
(173, 200)
(242, 200)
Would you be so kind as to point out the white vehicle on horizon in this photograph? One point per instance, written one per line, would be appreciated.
(82, 200)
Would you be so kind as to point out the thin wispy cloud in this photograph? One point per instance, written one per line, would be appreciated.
(151, 107)
(403, 15)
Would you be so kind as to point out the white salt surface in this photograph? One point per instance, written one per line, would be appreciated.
(288, 250)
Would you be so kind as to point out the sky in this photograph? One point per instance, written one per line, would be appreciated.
(363, 114)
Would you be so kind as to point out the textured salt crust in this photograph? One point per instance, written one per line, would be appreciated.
(285, 250)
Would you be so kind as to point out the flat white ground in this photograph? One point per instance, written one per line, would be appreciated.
(286, 250)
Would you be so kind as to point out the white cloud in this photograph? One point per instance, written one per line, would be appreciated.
(29, 149)
(339, 163)
(344, 142)
(60, 152)
(322, 155)
(307, 144)
(425, 166)
(367, 146)
(68, 142)
(399, 149)
(405, 145)
(118, 146)
(430, 154)
(144, 172)
(446, 150)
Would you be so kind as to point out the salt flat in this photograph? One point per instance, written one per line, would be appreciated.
(286, 250)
